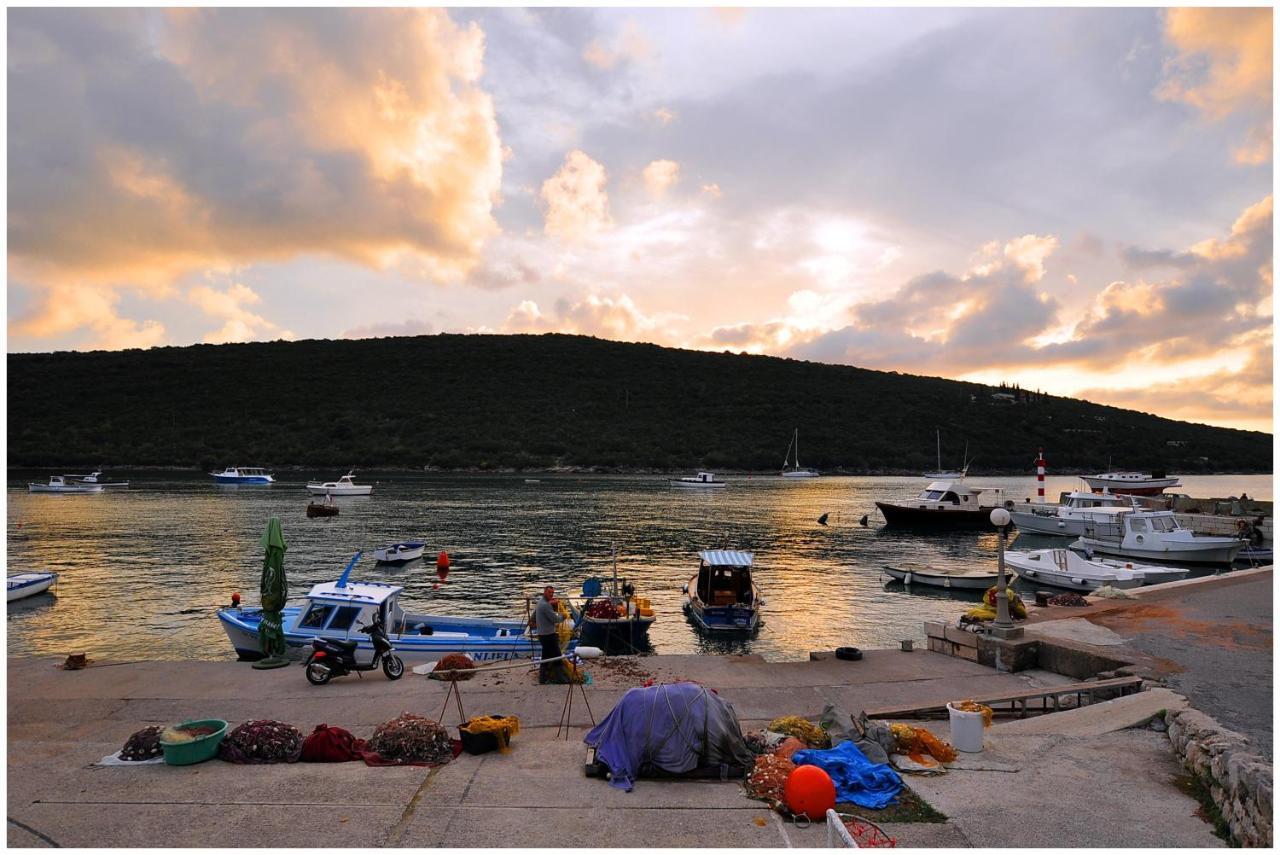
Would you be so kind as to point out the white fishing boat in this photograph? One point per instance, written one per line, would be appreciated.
(796, 471)
(1068, 518)
(243, 475)
(704, 480)
(945, 577)
(1133, 483)
(59, 484)
(344, 486)
(1063, 568)
(337, 610)
(1131, 533)
(400, 553)
(99, 479)
(22, 585)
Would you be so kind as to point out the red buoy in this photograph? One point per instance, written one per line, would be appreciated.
(809, 792)
(442, 566)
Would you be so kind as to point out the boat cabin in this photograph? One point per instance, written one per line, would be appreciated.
(950, 493)
(337, 611)
(1080, 499)
(704, 478)
(724, 578)
(244, 472)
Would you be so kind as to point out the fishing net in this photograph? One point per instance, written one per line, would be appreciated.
(768, 778)
(866, 833)
(412, 739)
(564, 630)
(802, 729)
(789, 746)
(331, 745)
(452, 662)
(1070, 598)
(504, 727)
(915, 742)
(974, 706)
(764, 741)
(176, 735)
(262, 741)
(143, 745)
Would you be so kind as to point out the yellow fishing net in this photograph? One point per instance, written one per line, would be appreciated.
(565, 628)
(916, 741)
(504, 726)
(794, 725)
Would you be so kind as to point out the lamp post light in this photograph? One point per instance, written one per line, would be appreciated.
(1002, 626)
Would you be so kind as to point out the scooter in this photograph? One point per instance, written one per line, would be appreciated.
(336, 658)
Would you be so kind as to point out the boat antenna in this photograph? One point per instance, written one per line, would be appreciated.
(615, 568)
(342, 580)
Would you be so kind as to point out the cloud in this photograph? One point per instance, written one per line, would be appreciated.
(712, 190)
(192, 139)
(603, 315)
(577, 205)
(230, 306)
(665, 115)
(69, 308)
(1222, 66)
(629, 45)
(660, 176)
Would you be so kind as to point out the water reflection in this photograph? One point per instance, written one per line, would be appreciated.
(143, 570)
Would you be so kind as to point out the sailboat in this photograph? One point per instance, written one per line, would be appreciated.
(942, 474)
(797, 472)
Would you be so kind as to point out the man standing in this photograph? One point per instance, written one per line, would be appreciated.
(546, 618)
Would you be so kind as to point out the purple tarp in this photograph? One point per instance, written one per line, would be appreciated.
(676, 728)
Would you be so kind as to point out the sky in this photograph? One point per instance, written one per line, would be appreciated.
(1075, 200)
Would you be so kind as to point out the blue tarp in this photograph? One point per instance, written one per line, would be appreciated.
(676, 728)
(857, 779)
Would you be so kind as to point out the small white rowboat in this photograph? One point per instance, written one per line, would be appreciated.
(946, 577)
(29, 584)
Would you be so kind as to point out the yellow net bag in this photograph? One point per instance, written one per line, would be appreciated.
(802, 729)
(504, 727)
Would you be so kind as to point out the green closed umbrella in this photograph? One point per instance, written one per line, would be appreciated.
(274, 591)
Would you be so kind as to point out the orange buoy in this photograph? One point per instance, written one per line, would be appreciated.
(809, 791)
(442, 566)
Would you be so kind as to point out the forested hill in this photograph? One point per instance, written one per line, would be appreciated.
(490, 402)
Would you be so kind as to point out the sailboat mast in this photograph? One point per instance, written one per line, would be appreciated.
(939, 449)
(797, 448)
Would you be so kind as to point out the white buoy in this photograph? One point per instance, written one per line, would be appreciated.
(589, 652)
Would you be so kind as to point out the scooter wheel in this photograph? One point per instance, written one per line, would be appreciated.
(317, 674)
(393, 667)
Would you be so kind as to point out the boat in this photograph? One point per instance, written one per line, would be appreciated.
(1132, 533)
(22, 585)
(1067, 518)
(399, 553)
(945, 577)
(942, 474)
(97, 478)
(59, 484)
(337, 610)
(1062, 568)
(344, 486)
(616, 621)
(243, 475)
(722, 597)
(1132, 483)
(322, 509)
(796, 471)
(942, 503)
(1255, 553)
(702, 481)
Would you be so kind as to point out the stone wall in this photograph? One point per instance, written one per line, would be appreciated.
(1239, 780)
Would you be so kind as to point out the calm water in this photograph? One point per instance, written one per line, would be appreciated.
(143, 570)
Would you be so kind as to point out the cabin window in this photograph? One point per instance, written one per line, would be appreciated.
(1138, 525)
(315, 616)
(1163, 523)
(933, 495)
(951, 497)
(344, 617)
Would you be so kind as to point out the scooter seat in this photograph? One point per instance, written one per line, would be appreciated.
(345, 645)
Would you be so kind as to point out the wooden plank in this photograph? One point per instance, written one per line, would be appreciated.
(1021, 698)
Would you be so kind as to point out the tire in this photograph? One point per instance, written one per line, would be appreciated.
(317, 674)
(393, 667)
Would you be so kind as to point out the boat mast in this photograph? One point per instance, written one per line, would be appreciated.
(939, 449)
(615, 569)
(797, 449)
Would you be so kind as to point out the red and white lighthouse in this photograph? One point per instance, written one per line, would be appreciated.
(1040, 477)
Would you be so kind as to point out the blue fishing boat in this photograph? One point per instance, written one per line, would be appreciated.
(722, 597)
(243, 475)
(337, 610)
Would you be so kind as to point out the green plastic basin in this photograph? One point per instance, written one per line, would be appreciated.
(197, 750)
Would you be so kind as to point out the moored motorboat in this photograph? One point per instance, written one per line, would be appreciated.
(399, 553)
(1132, 483)
(1064, 568)
(322, 509)
(1131, 533)
(243, 475)
(943, 577)
(98, 478)
(943, 504)
(337, 610)
(614, 620)
(702, 480)
(722, 597)
(22, 585)
(344, 486)
(1068, 518)
(59, 484)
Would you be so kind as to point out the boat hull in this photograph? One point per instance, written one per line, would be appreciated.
(356, 490)
(451, 636)
(1034, 523)
(910, 576)
(1120, 486)
(619, 636)
(65, 488)
(929, 517)
(26, 585)
(321, 511)
(390, 555)
(802, 473)
(698, 485)
(1184, 552)
(246, 479)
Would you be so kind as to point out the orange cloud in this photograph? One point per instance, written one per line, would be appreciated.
(1223, 66)
(660, 176)
(577, 205)
(68, 308)
(240, 324)
(630, 45)
(595, 314)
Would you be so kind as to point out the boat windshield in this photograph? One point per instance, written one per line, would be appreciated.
(1163, 523)
(316, 616)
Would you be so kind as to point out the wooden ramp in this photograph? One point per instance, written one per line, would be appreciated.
(1008, 703)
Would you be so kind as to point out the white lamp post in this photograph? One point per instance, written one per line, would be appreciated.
(1002, 626)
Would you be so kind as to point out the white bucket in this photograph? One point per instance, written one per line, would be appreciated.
(966, 730)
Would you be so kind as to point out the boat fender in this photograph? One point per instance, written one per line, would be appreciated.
(588, 652)
(848, 654)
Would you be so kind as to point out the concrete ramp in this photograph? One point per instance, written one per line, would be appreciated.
(1097, 719)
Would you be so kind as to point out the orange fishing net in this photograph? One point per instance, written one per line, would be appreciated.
(974, 706)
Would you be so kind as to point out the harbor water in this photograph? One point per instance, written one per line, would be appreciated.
(143, 570)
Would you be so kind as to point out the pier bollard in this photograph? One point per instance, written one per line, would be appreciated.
(1042, 598)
